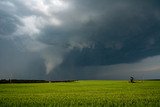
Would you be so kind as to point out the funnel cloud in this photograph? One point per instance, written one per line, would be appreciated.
(79, 39)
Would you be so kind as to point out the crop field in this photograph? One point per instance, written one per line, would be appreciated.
(100, 93)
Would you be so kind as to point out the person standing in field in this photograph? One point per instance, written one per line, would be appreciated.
(131, 79)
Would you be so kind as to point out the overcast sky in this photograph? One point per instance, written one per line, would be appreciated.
(79, 39)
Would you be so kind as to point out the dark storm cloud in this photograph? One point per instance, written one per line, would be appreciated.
(7, 23)
(129, 34)
(79, 39)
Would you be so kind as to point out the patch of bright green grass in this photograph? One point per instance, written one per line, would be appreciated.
(81, 93)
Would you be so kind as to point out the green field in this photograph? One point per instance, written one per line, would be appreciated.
(81, 93)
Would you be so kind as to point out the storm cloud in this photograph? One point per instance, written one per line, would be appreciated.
(79, 39)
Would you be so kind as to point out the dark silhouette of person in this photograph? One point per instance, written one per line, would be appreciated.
(131, 79)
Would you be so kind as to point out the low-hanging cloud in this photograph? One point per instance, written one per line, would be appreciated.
(71, 39)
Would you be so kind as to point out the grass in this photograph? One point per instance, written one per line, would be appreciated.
(81, 94)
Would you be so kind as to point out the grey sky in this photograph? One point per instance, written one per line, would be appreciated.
(79, 39)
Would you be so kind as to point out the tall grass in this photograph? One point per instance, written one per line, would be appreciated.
(81, 94)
